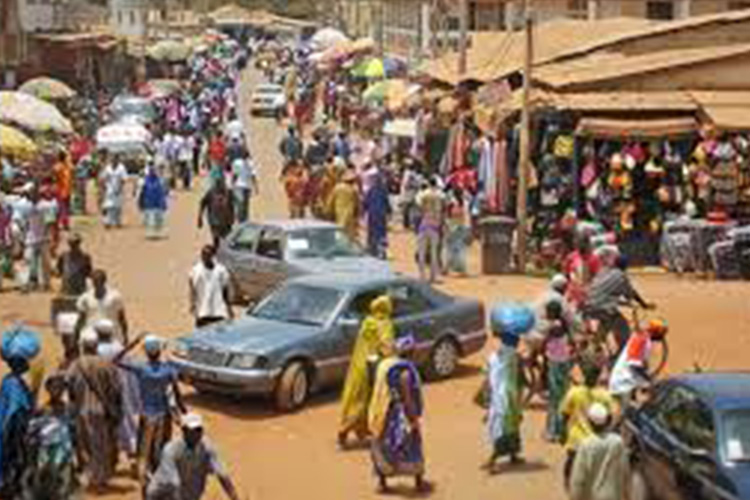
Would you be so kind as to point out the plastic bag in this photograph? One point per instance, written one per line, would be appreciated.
(20, 343)
(512, 318)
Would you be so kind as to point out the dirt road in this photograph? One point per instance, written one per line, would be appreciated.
(290, 457)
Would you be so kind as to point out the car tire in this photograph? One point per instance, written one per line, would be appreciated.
(293, 387)
(639, 489)
(444, 359)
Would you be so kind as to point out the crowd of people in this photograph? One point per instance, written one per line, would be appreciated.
(104, 406)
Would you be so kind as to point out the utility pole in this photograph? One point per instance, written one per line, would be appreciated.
(463, 43)
(525, 140)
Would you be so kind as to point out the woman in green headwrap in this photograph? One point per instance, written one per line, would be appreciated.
(376, 337)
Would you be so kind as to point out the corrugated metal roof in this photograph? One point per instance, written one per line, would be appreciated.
(493, 55)
(605, 101)
(610, 66)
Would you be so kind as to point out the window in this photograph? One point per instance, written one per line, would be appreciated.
(245, 239)
(688, 419)
(578, 9)
(662, 10)
(736, 435)
(270, 246)
(132, 18)
(119, 18)
(407, 300)
(300, 304)
(359, 306)
(739, 5)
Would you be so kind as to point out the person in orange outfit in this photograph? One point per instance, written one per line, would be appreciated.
(63, 173)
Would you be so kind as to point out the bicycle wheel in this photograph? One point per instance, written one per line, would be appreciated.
(659, 357)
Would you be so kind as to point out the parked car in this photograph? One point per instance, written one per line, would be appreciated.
(691, 440)
(259, 256)
(133, 107)
(300, 338)
(268, 98)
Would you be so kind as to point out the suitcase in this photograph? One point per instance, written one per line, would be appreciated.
(724, 260)
(676, 250)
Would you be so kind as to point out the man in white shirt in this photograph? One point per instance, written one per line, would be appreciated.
(102, 303)
(113, 179)
(234, 130)
(245, 182)
(209, 290)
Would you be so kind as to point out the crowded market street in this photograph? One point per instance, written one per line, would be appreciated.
(274, 456)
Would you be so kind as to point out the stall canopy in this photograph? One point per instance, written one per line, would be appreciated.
(604, 127)
(726, 110)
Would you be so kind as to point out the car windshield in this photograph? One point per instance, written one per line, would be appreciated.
(326, 242)
(268, 90)
(736, 435)
(302, 304)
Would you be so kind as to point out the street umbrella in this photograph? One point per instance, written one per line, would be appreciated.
(123, 137)
(16, 143)
(160, 87)
(371, 69)
(32, 113)
(326, 38)
(46, 88)
(170, 51)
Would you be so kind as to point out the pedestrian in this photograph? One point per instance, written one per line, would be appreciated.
(601, 470)
(505, 411)
(209, 290)
(345, 204)
(410, 187)
(377, 208)
(185, 465)
(218, 205)
(296, 179)
(37, 240)
(394, 418)
(457, 232)
(573, 409)
(63, 172)
(185, 147)
(152, 201)
(558, 347)
(245, 182)
(375, 339)
(217, 150)
(6, 240)
(51, 473)
(291, 146)
(18, 348)
(82, 173)
(95, 392)
(580, 266)
(430, 202)
(157, 383)
(74, 268)
(102, 302)
(113, 179)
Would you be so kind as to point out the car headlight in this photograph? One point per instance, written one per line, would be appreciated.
(246, 361)
(179, 349)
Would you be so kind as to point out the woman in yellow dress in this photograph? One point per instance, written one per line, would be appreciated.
(376, 338)
(344, 204)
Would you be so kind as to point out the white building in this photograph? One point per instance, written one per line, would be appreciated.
(128, 17)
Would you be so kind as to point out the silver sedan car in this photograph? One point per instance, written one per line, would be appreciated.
(261, 255)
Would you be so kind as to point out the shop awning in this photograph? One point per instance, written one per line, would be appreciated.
(729, 117)
(604, 127)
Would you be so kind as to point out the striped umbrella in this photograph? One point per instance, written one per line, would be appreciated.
(32, 113)
(46, 88)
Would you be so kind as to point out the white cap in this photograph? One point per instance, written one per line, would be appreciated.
(192, 421)
(598, 414)
(104, 326)
(89, 337)
(152, 343)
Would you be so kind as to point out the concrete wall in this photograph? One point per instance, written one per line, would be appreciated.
(36, 16)
(128, 17)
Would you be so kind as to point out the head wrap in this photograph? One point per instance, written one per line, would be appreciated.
(192, 421)
(405, 343)
(598, 414)
(152, 344)
(382, 306)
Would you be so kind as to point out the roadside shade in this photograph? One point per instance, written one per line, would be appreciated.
(729, 117)
(32, 113)
(46, 88)
(604, 127)
(16, 143)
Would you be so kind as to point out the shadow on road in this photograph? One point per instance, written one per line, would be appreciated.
(524, 468)
(252, 407)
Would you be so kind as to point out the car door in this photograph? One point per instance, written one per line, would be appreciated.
(270, 267)
(238, 255)
(414, 314)
(343, 335)
(685, 429)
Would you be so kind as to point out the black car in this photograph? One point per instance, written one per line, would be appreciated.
(691, 440)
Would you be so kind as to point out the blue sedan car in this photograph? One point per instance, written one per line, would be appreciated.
(301, 336)
(691, 441)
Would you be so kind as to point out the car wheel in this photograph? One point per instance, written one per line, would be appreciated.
(639, 489)
(444, 359)
(293, 387)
